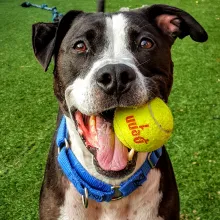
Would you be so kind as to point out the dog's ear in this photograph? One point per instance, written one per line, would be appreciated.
(175, 22)
(47, 37)
(43, 41)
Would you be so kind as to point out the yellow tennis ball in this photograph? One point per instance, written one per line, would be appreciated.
(145, 128)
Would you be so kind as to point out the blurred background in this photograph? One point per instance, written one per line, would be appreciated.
(29, 108)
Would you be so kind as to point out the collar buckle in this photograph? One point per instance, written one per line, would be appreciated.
(117, 193)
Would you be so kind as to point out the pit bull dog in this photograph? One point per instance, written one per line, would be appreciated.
(104, 61)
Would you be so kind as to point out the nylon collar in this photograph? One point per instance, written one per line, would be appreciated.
(97, 189)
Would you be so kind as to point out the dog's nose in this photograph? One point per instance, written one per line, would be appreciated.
(115, 78)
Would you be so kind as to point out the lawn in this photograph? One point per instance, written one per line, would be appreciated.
(28, 109)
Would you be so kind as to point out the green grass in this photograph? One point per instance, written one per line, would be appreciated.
(28, 109)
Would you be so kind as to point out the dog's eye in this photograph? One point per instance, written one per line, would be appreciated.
(146, 43)
(80, 47)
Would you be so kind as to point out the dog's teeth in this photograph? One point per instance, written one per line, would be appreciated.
(130, 154)
(92, 126)
(92, 121)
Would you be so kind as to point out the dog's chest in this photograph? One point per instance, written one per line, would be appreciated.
(141, 204)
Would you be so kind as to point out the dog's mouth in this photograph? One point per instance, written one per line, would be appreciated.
(111, 157)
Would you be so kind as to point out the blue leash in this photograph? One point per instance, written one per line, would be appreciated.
(55, 14)
(97, 189)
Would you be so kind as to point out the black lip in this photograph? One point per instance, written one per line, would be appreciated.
(72, 113)
(108, 115)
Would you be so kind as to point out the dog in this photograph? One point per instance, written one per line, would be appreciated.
(104, 61)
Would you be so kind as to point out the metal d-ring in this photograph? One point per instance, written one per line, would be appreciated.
(117, 193)
(66, 145)
(149, 160)
(85, 198)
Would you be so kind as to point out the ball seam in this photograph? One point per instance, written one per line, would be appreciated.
(155, 120)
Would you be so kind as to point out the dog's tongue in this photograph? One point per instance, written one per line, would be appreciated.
(112, 155)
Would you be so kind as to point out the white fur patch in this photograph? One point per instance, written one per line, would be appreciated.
(116, 34)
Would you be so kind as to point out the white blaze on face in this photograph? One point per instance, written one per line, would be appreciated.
(117, 51)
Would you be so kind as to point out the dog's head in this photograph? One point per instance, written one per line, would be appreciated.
(103, 61)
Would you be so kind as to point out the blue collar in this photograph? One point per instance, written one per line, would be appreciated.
(95, 188)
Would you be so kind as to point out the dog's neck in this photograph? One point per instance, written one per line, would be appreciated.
(86, 158)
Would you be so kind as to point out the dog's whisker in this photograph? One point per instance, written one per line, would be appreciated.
(140, 64)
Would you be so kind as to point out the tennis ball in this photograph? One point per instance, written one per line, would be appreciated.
(145, 128)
